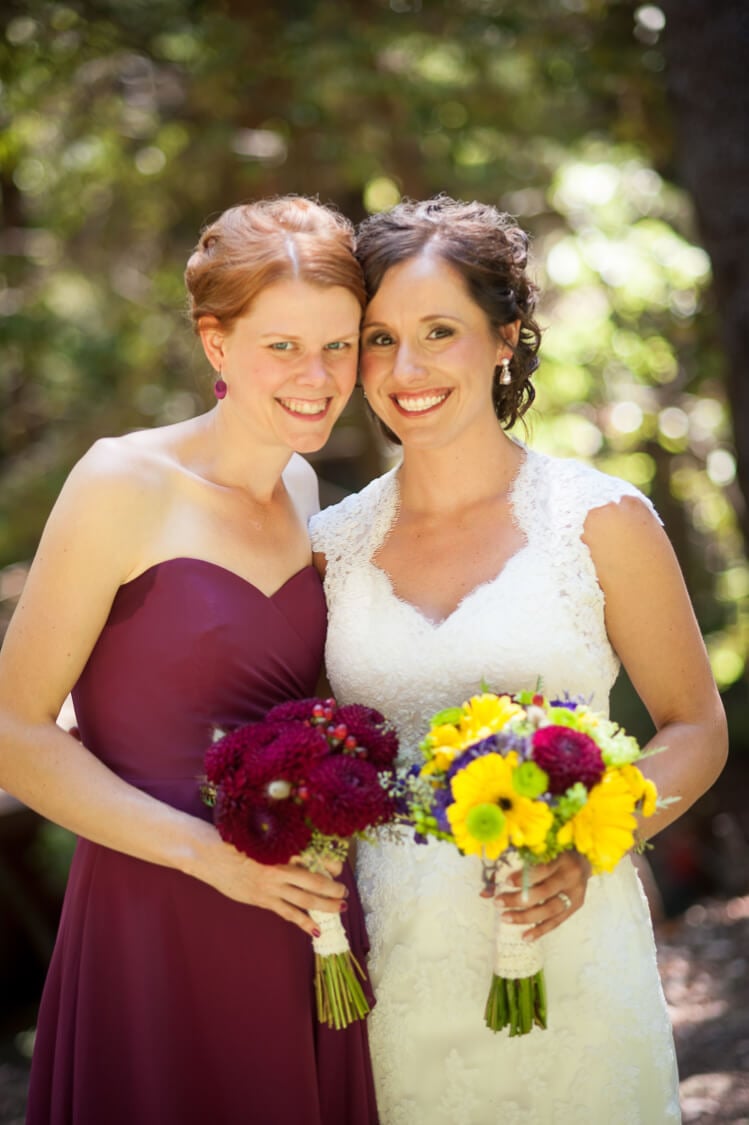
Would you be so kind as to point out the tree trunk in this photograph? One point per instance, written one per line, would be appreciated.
(706, 45)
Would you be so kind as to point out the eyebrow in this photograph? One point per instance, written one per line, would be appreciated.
(292, 336)
(422, 320)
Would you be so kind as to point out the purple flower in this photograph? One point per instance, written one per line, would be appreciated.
(442, 798)
(500, 743)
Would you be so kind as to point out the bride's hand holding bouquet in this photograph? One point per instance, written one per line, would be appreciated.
(544, 792)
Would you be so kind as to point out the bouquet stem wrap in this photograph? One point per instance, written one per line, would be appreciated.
(338, 975)
(517, 995)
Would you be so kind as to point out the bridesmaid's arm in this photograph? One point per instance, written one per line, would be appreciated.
(106, 513)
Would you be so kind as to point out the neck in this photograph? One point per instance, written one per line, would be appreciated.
(438, 481)
(229, 458)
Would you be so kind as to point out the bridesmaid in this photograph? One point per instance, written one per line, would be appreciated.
(173, 592)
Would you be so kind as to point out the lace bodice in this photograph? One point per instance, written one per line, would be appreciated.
(541, 618)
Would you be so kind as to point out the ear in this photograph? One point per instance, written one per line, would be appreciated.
(212, 337)
(508, 334)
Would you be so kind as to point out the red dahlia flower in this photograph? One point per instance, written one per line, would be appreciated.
(345, 796)
(269, 832)
(567, 756)
(372, 733)
(259, 753)
(296, 710)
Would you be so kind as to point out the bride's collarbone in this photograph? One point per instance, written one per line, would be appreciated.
(471, 552)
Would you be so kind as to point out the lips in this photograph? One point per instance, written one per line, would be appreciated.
(304, 407)
(422, 403)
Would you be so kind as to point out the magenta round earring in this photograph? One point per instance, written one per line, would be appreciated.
(220, 388)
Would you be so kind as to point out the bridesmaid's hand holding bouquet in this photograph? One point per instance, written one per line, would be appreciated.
(301, 783)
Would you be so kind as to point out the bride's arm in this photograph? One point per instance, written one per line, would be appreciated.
(107, 509)
(651, 625)
(653, 629)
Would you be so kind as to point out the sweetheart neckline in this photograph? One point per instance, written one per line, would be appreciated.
(222, 569)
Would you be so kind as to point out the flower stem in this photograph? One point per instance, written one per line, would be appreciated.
(338, 991)
(516, 1004)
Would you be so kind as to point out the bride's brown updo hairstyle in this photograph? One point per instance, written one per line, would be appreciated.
(256, 244)
(490, 251)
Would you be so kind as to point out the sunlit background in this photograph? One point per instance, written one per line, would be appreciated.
(128, 124)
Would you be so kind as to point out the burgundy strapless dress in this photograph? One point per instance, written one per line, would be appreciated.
(167, 1003)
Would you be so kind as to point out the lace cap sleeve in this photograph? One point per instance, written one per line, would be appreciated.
(350, 532)
(576, 489)
(330, 529)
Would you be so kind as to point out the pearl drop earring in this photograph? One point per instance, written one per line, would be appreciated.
(505, 376)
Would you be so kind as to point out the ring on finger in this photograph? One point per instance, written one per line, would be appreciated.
(564, 899)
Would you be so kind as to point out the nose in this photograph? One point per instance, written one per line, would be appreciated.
(407, 364)
(314, 371)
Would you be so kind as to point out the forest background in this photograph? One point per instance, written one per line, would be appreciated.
(617, 134)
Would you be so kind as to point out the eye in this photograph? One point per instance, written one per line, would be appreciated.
(337, 346)
(281, 346)
(379, 339)
(441, 332)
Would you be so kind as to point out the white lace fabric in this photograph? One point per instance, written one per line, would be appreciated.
(608, 1053)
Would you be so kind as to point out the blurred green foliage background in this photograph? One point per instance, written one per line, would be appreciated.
(127, 124)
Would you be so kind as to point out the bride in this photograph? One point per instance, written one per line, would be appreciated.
(478, 559)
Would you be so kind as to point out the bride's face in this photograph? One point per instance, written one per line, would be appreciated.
(428, 353)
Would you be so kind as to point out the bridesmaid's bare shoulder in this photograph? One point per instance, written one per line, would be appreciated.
(302, 485)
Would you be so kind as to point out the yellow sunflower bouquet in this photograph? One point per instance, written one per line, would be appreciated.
(517, 780)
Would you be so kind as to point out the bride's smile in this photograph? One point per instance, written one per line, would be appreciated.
(420, 402)
(429, 353)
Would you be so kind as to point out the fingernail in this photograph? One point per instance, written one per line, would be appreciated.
(317, 933)
(344, 907)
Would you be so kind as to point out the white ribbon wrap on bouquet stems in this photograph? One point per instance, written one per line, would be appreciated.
(513, 957)
(332, 937)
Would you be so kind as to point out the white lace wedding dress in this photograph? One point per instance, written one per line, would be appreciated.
(607, 1056)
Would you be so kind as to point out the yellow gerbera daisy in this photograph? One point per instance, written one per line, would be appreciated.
(643, 789)
(486, 714)
(487, 782)
(604, 828)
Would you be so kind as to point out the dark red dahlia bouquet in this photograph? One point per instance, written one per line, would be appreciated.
(302, 782)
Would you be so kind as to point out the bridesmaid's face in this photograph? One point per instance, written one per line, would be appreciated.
(428, 353)
(290, 362)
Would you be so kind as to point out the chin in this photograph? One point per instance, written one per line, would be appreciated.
(311, 443)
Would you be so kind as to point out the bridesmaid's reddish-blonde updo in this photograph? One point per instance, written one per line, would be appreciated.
(256, 244)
